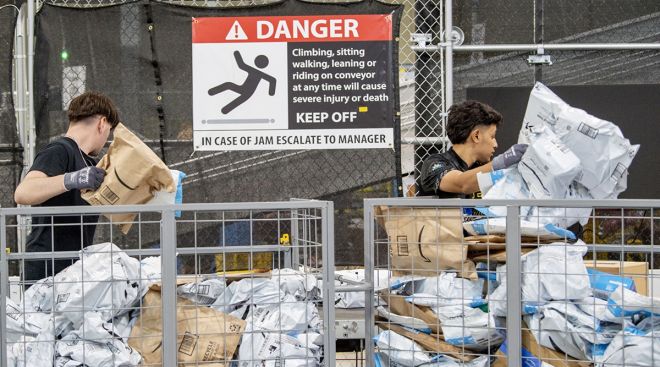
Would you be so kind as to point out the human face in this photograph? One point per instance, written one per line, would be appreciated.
(485, 142)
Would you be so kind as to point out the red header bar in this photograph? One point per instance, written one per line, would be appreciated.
(316, 28)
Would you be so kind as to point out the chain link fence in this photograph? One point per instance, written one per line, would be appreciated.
(505, 23)
(141, 59)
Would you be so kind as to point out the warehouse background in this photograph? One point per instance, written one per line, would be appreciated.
(131, 51)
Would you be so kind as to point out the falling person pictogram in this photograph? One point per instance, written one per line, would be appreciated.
(249, 86)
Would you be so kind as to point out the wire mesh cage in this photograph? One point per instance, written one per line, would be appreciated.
(181, 299)
(497, 283)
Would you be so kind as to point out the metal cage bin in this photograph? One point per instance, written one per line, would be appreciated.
(511, 283)
(238, 284)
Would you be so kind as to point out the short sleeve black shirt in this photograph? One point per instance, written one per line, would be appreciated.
(51, 233)
(435, 167)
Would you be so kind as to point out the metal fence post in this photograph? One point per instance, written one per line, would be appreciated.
(4, 280)
(513, 267)
(168, 287)
(369, 278)
(328, 228)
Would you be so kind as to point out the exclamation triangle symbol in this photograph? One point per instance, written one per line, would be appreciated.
(236, 32)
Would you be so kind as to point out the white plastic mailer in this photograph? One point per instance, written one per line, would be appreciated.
(548, 167)
(497, 225)
(634, 346)
(401, 350)
(604, 153)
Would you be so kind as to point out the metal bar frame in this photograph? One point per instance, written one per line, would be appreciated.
(169, 251)
(538, 47)
(513, 252)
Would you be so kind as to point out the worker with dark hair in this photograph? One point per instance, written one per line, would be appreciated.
(471, 128)
(59, 171)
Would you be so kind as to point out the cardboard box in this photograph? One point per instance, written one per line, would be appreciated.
(534, 355)
(636, 270)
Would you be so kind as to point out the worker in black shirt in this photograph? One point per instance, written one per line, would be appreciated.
(471, 128)
(59, 171)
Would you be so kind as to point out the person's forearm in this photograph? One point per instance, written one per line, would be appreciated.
(35, 190)
(463, 182)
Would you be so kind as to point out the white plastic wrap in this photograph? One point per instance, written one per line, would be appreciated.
(604, 153)
(634, 346)
(469, 327)
(96, 345)
(407, 321)
(497, 225)
(203, 293)
(301, 285)
(401, 350)
(555, 272)
(105, 279)
(281, 330)
(548, 167)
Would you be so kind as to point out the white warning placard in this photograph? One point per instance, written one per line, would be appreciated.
(293, 82)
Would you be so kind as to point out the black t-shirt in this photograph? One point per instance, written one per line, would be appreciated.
(59, 157)
(435, 167)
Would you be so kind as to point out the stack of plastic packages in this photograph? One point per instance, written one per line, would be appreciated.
(87, 314)
(571, 155)
(443, 323)
(81, 316)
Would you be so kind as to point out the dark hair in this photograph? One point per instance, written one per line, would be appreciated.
(465, 116)
(90, 104)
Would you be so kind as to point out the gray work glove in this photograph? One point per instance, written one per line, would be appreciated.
(86, 178)
(510, 157)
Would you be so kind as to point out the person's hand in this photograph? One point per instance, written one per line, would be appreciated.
(510, 157)
(86, 178)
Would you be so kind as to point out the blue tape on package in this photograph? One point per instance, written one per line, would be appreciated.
(608, 282)
(561, 232)
(178, 198)
(528, 359)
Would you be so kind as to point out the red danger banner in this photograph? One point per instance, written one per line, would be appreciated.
(317, 28)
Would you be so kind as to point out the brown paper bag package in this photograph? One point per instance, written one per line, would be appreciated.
(426, 240)
(133, 173)
(205, 336)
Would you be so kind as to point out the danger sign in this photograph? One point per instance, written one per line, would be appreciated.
(294, 82)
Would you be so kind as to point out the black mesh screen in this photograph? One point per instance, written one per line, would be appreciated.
(140, 55)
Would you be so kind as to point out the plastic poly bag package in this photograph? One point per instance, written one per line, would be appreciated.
(604, 153)
(111, 286)
(20, 324)
(150, 270)
(634, 346)
(163, 197)
(401, 350)
(544, 279)
(575, 320)
(406, 321)
(506, 184)
(446, 289)
(95, 345)
(258, 291)
(545, 330)
(275, 350)
(203, 293)
(382, 360)
(284, 330)
(382, 280)
(469, 327)
(39, 351)
(625, 303)
(299, 284)
(563, 217)
(555, 272)
(599, 309)
(548, 167)
(497, 225)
